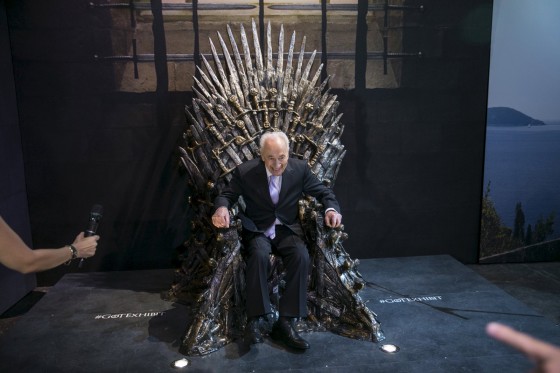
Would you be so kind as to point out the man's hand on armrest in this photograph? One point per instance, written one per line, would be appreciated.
(220, 219)
(332, 218)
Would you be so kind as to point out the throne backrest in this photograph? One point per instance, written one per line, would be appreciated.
(245, 94)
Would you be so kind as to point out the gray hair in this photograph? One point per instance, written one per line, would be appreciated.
(275, 134)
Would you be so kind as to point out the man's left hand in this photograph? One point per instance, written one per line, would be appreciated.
(333, 219)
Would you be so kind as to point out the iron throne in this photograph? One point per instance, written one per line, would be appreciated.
(243, 96)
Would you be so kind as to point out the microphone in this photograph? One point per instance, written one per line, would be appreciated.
(94, 217)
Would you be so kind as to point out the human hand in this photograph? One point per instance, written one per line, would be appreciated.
(85, 246)
(545, 355)
(333, 219)
(220, 219)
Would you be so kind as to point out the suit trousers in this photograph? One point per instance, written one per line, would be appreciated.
(295, 257)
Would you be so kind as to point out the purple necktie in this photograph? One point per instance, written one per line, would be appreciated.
(273, 188)
(274, 193)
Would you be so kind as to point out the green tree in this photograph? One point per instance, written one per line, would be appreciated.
(543, 228)
(529, 235)
(494, 237)
(519, 224)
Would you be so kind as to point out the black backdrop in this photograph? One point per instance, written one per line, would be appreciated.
(409, 185)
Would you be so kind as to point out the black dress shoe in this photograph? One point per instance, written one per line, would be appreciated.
(283, 330)
(253, 331)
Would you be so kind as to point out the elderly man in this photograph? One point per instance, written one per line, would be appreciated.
(271, 188)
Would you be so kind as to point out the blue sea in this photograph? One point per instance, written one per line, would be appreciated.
(523, 165)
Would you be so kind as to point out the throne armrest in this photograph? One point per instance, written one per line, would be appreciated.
(329, 242)
(312, 220)
(228, 238)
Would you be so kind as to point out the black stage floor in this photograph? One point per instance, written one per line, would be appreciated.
(433, 307)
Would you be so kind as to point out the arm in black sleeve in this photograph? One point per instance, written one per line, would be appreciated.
(230, 194)
(315, 188)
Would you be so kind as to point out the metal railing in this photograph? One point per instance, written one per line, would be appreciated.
(384, 54)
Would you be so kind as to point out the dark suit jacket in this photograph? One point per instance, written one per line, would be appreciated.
(250, 181)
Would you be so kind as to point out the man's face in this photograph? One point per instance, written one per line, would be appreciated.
(275, 156)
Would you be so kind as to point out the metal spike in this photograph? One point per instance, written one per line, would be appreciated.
(253, 80)
(286, 92)
(233, 78)
(279, 74)
(219, 67)
(214, 77)
(308, 67)
(240, 70)
(200, 87)
(269, 77)
(297, 77)
(258, 54)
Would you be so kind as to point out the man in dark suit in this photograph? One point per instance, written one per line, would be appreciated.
(271, 188)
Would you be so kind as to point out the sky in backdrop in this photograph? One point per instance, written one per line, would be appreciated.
(525, 57)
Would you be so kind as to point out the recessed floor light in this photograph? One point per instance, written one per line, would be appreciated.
(180, 364)
(389, 348)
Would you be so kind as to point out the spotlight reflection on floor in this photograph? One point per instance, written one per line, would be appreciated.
(389, 348)
(180, 364)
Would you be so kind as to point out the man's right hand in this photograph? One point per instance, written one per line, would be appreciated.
(220, 219)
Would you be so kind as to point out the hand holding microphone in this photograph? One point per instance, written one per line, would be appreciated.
(86, 243)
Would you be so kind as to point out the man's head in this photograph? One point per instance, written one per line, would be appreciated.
(275, 150)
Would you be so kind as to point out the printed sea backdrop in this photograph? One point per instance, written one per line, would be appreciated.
(522, 172)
